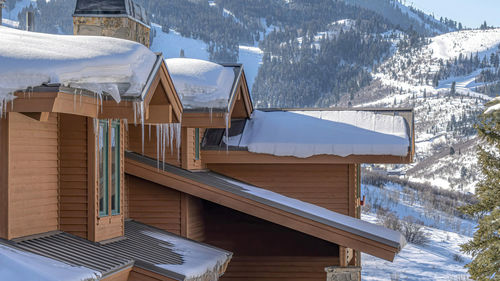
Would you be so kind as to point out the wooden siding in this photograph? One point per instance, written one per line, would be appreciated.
(139, 274)
(195, 223)
(73, 174)
(33, 175)
(274, 268)
(134, 143)
(321, 184)
(266, 251)
(154, 204)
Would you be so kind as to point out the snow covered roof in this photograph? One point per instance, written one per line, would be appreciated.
(16, 264)
(161, 252)
(338, 222)
(202, 84)
(304, 134)
(102, 65)
(111, 8)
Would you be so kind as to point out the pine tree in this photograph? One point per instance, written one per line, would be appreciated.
(485, 245)
(453, 89)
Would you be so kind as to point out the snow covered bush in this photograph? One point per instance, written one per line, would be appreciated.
(412, 230)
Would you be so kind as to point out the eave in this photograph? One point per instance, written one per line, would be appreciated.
(159, 100)
(246, 157)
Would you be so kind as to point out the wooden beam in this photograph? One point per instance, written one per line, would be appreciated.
(345, 256)
(260, 210)
(205, 120)
(245, 157)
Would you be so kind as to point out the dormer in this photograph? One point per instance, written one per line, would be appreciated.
(116, 18)
(212, 96)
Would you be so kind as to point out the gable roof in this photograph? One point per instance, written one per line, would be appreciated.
(301, 216)
(110, 8)
(353, 135)
(143, 246)
(210, 91)
(84, 75)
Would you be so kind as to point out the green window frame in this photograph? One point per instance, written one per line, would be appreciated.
(109, 167)
(197, 144)
(115, 167)
(103, 168)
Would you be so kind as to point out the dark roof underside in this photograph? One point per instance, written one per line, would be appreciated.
(111, 7)
(136, 249)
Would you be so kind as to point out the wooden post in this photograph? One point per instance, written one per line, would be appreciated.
(345, 256)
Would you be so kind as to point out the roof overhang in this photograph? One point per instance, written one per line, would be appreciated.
(214, 150)
(159, 101)
(209, 187)
(239, 106)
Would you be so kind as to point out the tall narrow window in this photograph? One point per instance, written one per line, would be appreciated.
(103, 168)
(197, 144)
(109, 167)
(115, 167)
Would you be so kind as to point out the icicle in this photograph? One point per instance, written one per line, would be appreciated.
(210, 110)
(158, 139)
(135, 112)
(80, 93)
(125, 123)
(171, 138)
(226, 119)
(74, 101)
(96, 126)
(100, 99)
(165, 132)
(142, 124)
(149, 132)
(178, 139)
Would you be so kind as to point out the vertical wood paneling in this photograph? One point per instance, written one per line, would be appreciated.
(154, 204)
(321, 184)
(4, 176)
(73, 174)
(33, 175)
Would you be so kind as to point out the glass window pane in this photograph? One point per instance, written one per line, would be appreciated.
(115, 168)
(103, 168)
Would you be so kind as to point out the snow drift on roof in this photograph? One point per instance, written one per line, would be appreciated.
(95, 63)
(307, 133)
(198, 259)
(20, 265)
(201, 84)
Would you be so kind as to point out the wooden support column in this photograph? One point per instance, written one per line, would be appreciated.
(4, 176)
(345, 256)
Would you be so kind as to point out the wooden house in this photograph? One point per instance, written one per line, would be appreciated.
(155, 186)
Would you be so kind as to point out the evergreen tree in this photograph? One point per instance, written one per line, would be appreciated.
(485, 245)
(453, 89)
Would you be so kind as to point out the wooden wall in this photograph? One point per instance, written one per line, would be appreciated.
(325, 185)
(195, 218)
(266, 251)
(154, 204)
(134, 143)
(33, 175)
(73, 178)
(139, 274)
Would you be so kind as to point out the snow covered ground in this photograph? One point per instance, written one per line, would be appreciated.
(439, 259)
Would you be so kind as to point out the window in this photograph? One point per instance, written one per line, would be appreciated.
(197, 144)
(109, 167)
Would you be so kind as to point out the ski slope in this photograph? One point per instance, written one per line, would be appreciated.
(439, 259)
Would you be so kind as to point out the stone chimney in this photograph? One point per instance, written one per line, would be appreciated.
(114, 18)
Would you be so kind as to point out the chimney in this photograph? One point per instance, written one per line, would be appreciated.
(114, 18)
(30, 21)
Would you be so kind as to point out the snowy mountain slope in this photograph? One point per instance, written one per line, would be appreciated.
(438, 259)
(20, 5)
(445, 137)
(171, 44)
